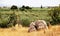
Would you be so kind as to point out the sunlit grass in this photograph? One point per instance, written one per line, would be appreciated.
(23, 31)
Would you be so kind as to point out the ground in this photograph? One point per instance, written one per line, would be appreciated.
(23, 31)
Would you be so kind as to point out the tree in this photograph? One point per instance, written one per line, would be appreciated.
(41, 6)
(54, 14)
(27, 7)
(14, 7)
(23, 6)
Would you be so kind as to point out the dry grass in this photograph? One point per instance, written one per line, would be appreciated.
(17, 31)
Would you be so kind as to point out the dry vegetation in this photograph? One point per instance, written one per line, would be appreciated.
(23, 31)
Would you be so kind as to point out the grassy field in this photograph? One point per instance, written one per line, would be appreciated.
(36, 13)
(23, 31)
(26, 17)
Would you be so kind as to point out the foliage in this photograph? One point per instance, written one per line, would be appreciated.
(25, 8)
(55, 15)
(41, 6)
(31, 16)
(0, 15)
(13, 19)
(25, 22)
(22, 9)
(4, 21)
(14, 7)
(7, 20)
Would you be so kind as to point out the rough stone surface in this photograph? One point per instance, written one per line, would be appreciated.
(32, 27)
(41, 24)
(37, 25)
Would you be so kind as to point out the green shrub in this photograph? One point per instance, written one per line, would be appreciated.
(25, 22)
(14, 7)
(7, 20)
(25, 8)
(54, 14)
(22, 9)
(10, 25)
(4, 22)
(13, 18)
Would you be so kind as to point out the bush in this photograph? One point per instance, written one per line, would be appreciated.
(7, 20)
(25, 22)
(25, 8)
(0, 15)
(4, 22)
(14, 7)
(13, 18)
(54, 14)
(22, 9)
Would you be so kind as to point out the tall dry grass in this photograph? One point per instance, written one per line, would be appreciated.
(23, 31)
